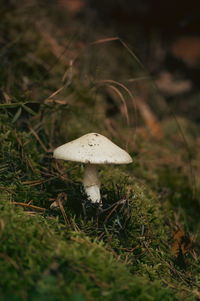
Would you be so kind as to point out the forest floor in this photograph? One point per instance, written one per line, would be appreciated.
(143, 243)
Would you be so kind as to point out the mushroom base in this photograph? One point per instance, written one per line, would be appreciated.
(93, 193)
(91, 183)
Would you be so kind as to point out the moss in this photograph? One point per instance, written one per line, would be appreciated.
(53, 262)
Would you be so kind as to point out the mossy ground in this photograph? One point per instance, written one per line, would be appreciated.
(143, 244)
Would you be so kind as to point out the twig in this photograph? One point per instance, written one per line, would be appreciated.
(62, 208)
(111, 212)
(29, 206)
(111, 206)
(38, 139)
(2, 226)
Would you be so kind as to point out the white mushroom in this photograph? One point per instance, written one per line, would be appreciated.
(92, 149)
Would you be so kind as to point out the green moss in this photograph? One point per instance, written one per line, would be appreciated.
(40, 259)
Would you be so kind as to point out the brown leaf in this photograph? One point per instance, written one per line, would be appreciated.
(181, 243)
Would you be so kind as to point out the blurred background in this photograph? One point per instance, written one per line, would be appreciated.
(165, 37)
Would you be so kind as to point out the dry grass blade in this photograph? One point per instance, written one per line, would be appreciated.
(53, 94)
(105, 40)
(32, 183)
(110, 83)
(123, 100)
(18, 139)
(111, 212)
(125, 89)
(122, 86)
(2, 226)
(6, 97)
(10, 260)
(59, 200)
(38, 139)
(101, 41)
(28, 206)
(66, 77)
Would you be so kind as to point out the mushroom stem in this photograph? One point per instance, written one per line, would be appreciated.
(91, 183)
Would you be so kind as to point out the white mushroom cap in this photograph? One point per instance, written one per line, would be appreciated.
(92, 148)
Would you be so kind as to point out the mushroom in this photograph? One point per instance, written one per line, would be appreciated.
(92, 149)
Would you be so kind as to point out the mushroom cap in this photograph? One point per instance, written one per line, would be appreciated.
(92, 148)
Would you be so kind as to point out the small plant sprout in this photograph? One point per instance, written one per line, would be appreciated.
(92, 149)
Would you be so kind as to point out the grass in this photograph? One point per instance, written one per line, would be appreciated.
(143, 243)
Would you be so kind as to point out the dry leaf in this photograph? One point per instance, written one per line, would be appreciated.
(181, 243)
